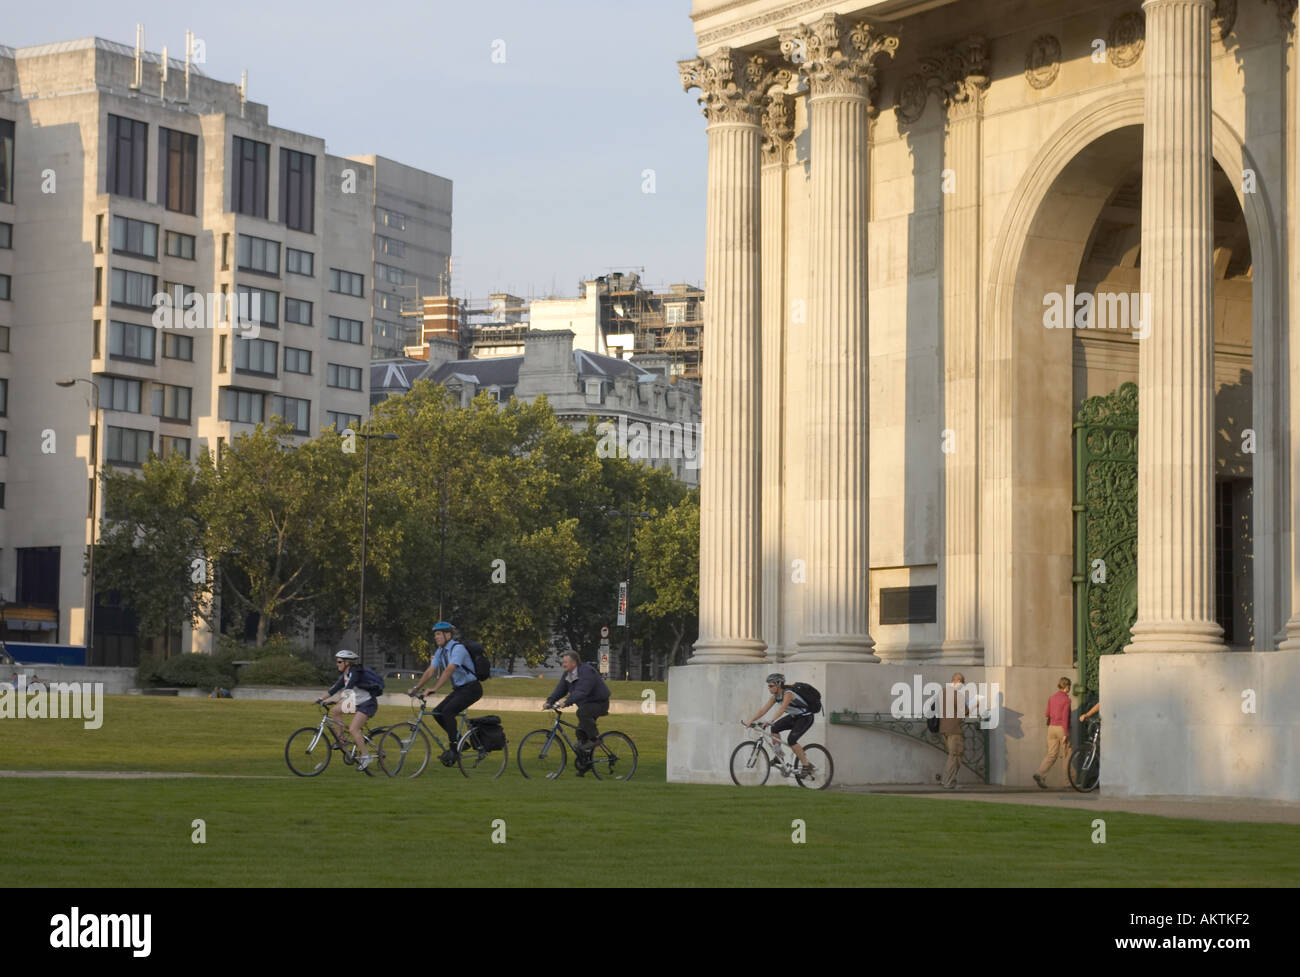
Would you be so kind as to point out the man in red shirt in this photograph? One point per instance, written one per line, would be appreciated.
(1058, 729)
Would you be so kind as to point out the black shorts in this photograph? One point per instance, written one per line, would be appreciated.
(797, 725)
(369, 708)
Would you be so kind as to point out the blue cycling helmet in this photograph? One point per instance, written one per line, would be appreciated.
(443, 626)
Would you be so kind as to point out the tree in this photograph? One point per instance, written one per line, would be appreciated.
(668, 564)
(151, 544)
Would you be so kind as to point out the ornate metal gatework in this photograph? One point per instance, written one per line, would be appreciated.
(975, 757)
(1105, 528)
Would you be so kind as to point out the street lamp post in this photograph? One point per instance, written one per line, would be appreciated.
(365, 513)
(627, 613)
(94, 515)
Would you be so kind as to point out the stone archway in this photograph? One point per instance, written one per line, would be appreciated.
(1026, 382)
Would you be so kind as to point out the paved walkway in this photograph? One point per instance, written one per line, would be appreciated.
(1224, 810)
(131, 775)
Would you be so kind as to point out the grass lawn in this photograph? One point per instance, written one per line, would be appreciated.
(284, 830)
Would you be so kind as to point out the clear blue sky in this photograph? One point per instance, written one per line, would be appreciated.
(545, 151)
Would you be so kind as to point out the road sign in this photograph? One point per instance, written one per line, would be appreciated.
(604, 631)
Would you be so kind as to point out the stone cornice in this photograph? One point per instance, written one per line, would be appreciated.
(837, 55)
(728, 95)
(780, 15)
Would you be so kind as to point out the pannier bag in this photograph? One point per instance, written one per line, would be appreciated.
(488, 732)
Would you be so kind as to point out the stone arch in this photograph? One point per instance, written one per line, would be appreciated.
(1010, 492)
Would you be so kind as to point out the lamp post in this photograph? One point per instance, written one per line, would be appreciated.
(627, 614)
(94, 515)
(365, 512)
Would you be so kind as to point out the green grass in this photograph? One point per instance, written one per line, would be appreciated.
(285, 830)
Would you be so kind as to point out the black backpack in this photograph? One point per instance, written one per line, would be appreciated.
(488, 733)
(482, 665)
(371, 682)
(808, 694)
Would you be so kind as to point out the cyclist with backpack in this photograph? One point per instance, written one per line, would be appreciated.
(365, 688)
(453, 661)
(798, 703)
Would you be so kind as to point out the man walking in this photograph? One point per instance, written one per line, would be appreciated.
(953, 712)
(1058, 730)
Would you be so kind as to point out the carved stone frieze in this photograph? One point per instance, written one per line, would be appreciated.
(1043, 61)
(1126, 40)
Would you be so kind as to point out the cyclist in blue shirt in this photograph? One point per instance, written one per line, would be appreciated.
(451, 661)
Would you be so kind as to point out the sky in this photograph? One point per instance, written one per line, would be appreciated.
(544, 114)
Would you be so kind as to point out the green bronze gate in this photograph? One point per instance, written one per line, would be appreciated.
(1105, 529)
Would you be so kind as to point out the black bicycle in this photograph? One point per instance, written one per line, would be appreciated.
(405, 749)
(1084, 768)
(542, 754)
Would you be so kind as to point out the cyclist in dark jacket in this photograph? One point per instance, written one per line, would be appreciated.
(351, 678)
(582, 686)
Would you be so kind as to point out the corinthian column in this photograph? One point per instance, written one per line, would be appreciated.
(1176, 360)
(962, 77)
(836, 55)
(730, 572)
(777, 133)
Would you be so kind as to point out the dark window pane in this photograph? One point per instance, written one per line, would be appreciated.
(297, 189)
(248, 177)
(128, 158)
(6, 161)
(908, 605)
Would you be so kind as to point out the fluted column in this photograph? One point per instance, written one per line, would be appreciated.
(836, 55)
(1176, 360)
(1291, 638)
(730, 572)
(777, 133)
(962, 76)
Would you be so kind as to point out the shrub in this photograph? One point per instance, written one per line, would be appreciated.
(146, 673)
(202, 671)
(283, 669)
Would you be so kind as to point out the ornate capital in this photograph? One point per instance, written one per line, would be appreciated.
(728, 95)
(778, 127)
(960, 76)
(837, 55)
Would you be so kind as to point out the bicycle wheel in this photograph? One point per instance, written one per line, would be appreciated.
(823, 768)
(478, 763)
(307, 751)
(404, 750)
(613, 757)
(1083, 768)
(750, 764)
(539, 759)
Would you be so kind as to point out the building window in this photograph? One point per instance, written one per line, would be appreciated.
(171, 403)
(38, 576)
(2, 495)
(296, 310)
(298, 262)
(297, 360)
(391, 246)
(178, 347)
(391, 218)
(390, 274)
(6, 161)
(251, 160)
(167, 445)
(127, 446)
(4, 443)
(122, 394)
(4, 398)
(297, 412)
(6, 234)
(6, 287)
(180, 245)
(675, 313)
(341, 422)
(4, 340)
(392, 303)
(221, 353)
(128, 156)
(256, 356)
(178, 174)
(347, 282)
(297, 190)
(593, 391)
(136, 238)
(225, 252)
(347, 377)
(259, 305)
(133, 288)
(259, 255)
(128, 341)
(247, 406)
(909, 605)
(345, 330)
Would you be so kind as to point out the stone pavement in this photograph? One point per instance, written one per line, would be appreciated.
(1227, 809)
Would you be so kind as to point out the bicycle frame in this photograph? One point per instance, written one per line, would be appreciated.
(563, 735)
(463, 722)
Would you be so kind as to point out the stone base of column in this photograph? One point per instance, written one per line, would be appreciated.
(775, 654)
(1176, 637)
(734, 651)
(835, 648)
(961, 651)
(1289, 638)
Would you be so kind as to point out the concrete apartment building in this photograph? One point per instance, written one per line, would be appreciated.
(122, 178)
(412, 248)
